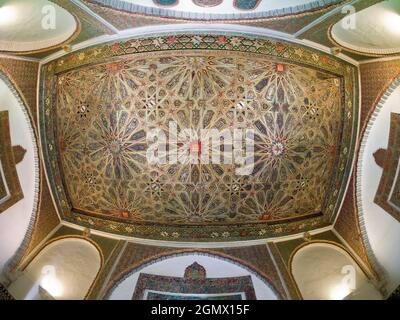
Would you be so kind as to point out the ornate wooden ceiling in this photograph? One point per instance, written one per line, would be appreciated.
(100, 104)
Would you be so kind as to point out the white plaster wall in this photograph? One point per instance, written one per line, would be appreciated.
(382, 229)
(66, 269)
(15, 220)
(318, 271)
(175, 267)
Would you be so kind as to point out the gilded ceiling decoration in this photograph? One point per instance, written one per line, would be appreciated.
(10, 188)
(299, 104)
(4, 294)
(388, 194)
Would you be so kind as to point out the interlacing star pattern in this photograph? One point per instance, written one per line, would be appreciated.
(104, 112)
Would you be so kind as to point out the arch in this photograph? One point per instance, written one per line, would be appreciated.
(44, 12)
(121, 277)
(373, 117)
(325, 270)
(367, 41)
(238, 11)
(72, 260)
(21, 102)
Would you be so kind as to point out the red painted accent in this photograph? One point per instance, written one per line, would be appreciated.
(62, 145)
(114, 67)
(221, 39)
(280, 47)
(116, 46)
(171, 40)
(280, 67)
(195, 147)
(265, 216)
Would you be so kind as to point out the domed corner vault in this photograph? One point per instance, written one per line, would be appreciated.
(99, 104)
(29, 27)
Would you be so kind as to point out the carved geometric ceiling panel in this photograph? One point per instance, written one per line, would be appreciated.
(106, 111)
(99, 122)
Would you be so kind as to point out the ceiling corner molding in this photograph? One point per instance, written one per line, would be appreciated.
(147, 31)
(83, 7)
(327, 50)
(323, 18)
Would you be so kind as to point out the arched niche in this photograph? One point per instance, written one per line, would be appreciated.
(380, 230)
(65, 268)
(371, 37)
(325, 271)
(35, 26)
(175, 265)
(16, 221)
